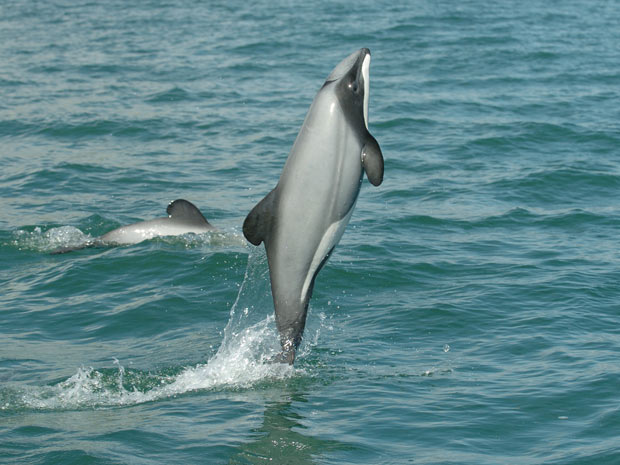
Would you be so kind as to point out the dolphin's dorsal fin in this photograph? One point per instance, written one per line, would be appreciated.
(372, 161)
(258, 223)
(186, 212)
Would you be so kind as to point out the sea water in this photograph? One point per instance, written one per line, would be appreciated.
(469, 315)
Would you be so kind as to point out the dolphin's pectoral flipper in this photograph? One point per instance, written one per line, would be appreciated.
(372, 161)
(186, 212)
(258, 223)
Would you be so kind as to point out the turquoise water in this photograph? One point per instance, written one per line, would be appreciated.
(469, 315)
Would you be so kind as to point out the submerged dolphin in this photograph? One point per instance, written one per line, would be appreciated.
(183, 217)
(303, 218)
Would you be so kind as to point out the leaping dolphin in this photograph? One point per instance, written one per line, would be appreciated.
(183, 217)
(303, 218)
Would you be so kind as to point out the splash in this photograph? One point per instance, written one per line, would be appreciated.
(250, 341)
(47, 240)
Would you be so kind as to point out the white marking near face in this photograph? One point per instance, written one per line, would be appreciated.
(366, 76)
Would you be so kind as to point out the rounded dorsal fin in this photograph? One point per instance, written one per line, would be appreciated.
(186, 212)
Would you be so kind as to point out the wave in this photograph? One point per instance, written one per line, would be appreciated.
(518, 216)
(558, 185)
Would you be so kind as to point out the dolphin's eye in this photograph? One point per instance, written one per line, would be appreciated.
(353, 86)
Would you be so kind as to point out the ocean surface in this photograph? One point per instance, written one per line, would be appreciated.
(469, 315)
